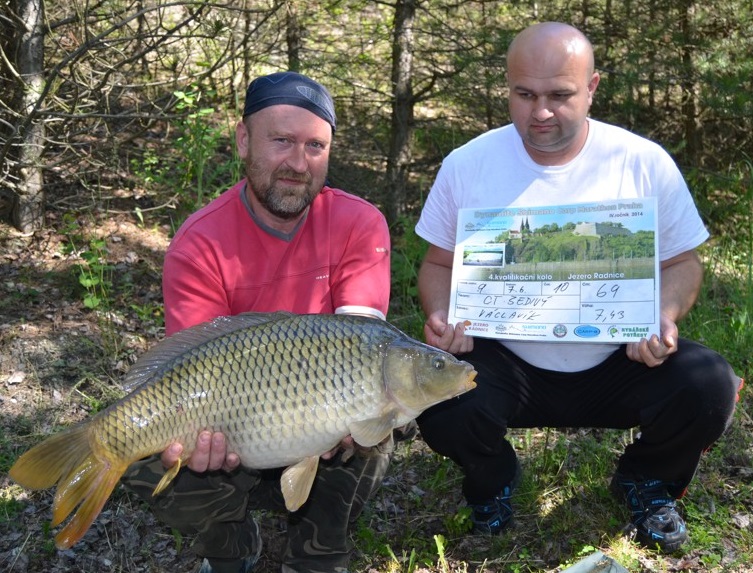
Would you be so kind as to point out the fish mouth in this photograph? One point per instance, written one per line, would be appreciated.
(470, 381)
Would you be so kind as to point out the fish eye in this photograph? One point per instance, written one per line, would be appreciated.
(438, 363)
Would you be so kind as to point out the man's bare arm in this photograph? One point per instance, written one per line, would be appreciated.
(681, 278)
(434, 286)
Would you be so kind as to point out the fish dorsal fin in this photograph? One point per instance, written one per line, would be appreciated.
(371, 432)
(296, 482)
(159, 357)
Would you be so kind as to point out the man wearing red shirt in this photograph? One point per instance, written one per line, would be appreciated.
(281, 239)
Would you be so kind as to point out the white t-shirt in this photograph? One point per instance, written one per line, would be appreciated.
(494, 170)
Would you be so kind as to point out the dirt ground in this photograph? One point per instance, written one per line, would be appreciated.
(60, 361)
(53, 370)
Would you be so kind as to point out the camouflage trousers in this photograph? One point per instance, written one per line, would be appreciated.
(214, 506)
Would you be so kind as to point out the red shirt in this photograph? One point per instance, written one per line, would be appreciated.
(222, 262)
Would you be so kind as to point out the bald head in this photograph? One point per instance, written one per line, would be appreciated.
(551, 43)
(550, 71)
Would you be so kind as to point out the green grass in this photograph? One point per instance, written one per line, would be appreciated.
(417, 521)
(564, 509)
(408, 251)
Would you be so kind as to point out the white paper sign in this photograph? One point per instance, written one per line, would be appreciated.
(584, 272)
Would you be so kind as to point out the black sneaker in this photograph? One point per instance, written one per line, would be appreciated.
(493, 516)
(654, 514)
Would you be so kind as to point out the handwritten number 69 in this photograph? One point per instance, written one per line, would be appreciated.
(603, 291)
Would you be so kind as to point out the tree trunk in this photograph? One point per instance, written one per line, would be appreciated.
(24, 133)
(689, 112)
(293, 36)
(399, 154)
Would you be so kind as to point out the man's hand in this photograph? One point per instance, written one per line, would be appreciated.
(655, 351)
(347, 444)
(210, 454)
(434, 291)
(445, 337)
(349, 447)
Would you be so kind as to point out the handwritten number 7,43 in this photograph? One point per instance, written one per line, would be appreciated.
(613, 315)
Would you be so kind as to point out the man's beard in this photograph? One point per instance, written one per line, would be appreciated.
(282, 201)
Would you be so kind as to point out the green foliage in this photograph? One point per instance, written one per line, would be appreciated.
(445, 478)
(408, 251)
(202, 162)
(397, 564)
(9, 449)
(458, 523)
(197, 141)
(370, 541)
(93, 273)
(10, 506)
(48, 544)
(722, 316)
(21, 296)
(95, 394)
(153, 312)
(585, 551)
(440, 541)
(178, 537)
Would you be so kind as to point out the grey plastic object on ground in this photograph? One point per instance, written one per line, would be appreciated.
(597, 562)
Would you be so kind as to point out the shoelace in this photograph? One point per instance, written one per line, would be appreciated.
(647, 498)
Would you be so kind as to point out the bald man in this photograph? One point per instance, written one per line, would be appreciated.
(680, 394)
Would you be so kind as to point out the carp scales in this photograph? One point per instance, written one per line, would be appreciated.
(283, 388)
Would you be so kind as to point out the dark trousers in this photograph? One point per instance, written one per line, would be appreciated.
(681, 408)
(214, 507)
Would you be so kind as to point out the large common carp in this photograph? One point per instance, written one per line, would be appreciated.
(283, 388)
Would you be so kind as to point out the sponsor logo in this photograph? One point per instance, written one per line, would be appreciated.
(559, 330)
(587, 331)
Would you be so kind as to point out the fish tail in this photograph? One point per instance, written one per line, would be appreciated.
(46, 463)
(89, 490)
(84, 479)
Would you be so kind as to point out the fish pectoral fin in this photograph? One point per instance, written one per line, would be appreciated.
(167, 478)
(296, 482)
(371, 432)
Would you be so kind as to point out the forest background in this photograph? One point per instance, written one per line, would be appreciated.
(116, 122)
